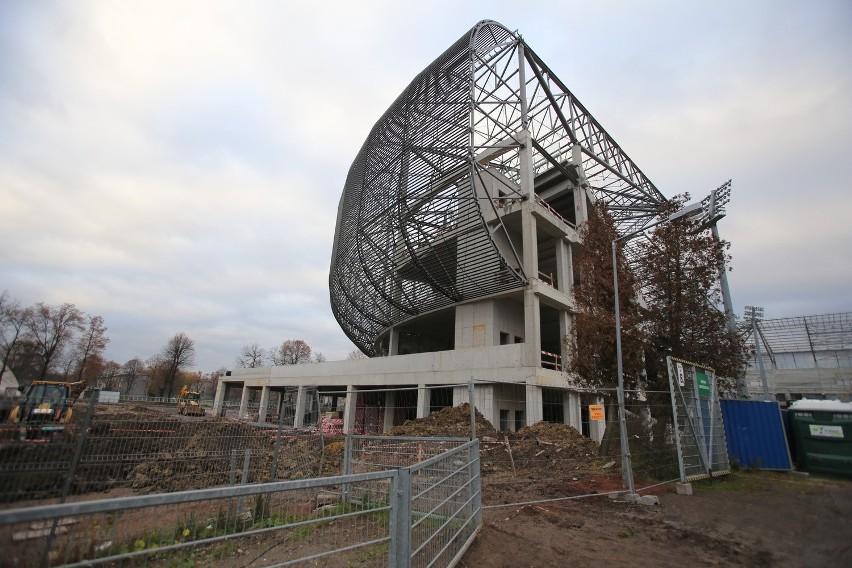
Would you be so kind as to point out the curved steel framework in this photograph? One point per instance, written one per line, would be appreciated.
(417, 231)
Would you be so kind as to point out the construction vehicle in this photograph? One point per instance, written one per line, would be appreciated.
(48, 406)
(189, 403)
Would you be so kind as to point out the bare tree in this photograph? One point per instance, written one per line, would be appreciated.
(356, 354)
(291, 352)
(110, 376)
(175, 356)
(91, 343)
(12, 321)
(319, 357)
(131, 371)
(51, 328)
(251, 356)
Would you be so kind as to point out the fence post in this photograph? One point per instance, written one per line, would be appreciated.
(244, 479)
(401, 529)
(476, 484)
(347, 466)
(72, 469)
(472, 409)
(272, 474)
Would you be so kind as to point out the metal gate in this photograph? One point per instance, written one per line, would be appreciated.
(699, 432)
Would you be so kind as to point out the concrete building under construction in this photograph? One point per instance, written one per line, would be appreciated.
(455, 234)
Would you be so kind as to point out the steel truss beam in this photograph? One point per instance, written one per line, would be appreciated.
(416, 230)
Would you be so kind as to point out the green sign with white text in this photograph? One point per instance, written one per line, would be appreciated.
(703, 383)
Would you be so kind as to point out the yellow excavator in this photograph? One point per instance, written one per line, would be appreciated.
(47, 408)
(189, 402)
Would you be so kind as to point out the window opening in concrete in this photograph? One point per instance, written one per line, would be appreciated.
(441, 397)
(552, 408)
(519, 420)
(405, 403)
(504, 420)
(504, 338)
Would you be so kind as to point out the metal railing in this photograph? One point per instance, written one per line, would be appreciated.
(423, 515)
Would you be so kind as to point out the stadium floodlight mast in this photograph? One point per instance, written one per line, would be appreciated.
(755, 314)
(693, 210)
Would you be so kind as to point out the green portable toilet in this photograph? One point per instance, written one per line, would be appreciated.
(823, 433)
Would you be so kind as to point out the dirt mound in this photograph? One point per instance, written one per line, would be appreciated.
(568, 439)
(451, 422)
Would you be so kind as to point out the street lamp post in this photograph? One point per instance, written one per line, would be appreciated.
(626, 466)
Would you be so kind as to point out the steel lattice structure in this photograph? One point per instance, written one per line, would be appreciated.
(415, 231)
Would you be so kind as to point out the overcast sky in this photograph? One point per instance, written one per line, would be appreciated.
(176, 166)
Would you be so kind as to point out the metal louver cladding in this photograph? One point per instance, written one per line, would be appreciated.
(416, 232)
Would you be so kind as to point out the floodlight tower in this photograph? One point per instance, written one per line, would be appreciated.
(755, 314)
(714, 207)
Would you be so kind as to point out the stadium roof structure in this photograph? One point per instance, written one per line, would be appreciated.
(816, 335)
(411, 234)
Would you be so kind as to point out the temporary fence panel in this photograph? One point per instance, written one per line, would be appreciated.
(269, 524)
(426, 514)
(153, 448)
(699, 428)
(755, 434)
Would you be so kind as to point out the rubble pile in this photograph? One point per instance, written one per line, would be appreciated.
(449, 422)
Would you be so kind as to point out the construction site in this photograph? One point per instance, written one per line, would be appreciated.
(463, 438)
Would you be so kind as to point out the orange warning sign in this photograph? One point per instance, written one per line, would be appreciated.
(596, 412)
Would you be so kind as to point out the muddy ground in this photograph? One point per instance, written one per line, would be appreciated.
(747, 519)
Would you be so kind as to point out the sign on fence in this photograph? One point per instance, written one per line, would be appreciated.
(596, 412)
(699, 432)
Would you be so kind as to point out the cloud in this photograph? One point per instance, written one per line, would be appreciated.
(176, 166)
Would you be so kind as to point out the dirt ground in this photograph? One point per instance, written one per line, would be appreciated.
(746, 519)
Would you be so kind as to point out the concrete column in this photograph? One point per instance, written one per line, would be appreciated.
(264, 402)
(484, 396)
(598, 427)
(566, 336)
(534, 407)
(393, 341)
(349, 409)
(390, 409)
(580, 208)
(564, 276)
(299, 413)
(244, 402)
(219, 397)
(423, 401)
(529, 241)
(532, 328)
(460, 395)
(571, 406)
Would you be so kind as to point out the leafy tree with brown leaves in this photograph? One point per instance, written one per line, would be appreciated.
(90, 344)
(594, 352)
(680, 266)
(291, 352)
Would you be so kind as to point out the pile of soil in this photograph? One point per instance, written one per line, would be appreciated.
(450, 422)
